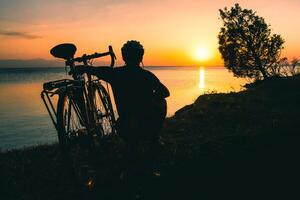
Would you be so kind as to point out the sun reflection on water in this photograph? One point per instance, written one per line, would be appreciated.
(201, 78)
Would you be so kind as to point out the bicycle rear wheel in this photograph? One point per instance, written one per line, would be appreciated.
(105, 118)
(74, 139)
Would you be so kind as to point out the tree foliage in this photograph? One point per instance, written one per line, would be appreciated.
(247, 45)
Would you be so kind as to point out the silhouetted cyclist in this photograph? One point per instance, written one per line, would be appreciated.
(139, 96)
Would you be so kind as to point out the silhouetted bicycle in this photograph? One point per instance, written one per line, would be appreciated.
(84, 112)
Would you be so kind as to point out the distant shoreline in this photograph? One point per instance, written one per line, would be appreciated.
(16, 68)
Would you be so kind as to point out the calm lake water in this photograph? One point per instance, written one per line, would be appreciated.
(24, 121)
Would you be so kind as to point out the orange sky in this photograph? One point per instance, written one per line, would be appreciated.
(170, 30)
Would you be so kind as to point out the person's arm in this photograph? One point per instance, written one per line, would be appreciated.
(104, 73)
(161, 90)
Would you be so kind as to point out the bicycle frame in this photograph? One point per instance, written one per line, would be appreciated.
(83, 92)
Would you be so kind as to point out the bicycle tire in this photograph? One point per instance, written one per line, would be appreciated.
(75, 142)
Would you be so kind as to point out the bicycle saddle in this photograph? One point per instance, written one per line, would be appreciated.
(65, 51)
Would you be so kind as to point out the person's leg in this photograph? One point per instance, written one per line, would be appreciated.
(151, 127)
(128, 132)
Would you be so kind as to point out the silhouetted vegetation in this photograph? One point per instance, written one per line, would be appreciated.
(243, 145)
(248, 47)
(293, 67)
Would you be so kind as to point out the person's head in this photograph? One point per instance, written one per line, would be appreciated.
(132, 52)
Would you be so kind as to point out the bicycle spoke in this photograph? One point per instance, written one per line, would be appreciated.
(69, 115)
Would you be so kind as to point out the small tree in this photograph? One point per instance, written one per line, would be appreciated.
(247, 45)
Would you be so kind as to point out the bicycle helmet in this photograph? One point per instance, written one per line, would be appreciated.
(132, 52)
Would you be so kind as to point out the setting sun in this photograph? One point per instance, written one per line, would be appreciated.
(202, 54)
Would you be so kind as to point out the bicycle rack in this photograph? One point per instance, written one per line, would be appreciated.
(46, 97)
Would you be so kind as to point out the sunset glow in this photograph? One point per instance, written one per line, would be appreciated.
(170, 30)
(202, 54)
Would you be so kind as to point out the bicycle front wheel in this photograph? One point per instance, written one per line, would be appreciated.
(70, 119)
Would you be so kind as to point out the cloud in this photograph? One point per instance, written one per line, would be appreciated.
(20, 34)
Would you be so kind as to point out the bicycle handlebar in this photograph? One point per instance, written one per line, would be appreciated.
(85, 57)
